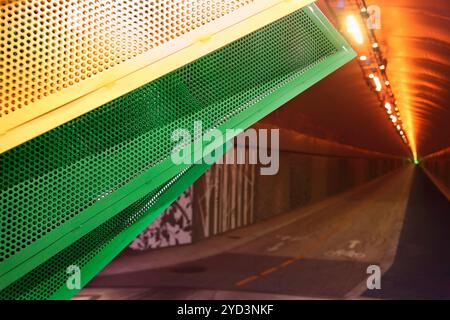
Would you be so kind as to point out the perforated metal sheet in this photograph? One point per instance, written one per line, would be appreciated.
(53, 184)
(62, 59)
(49, 279)
(48, 46)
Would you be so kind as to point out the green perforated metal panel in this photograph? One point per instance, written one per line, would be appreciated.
(92, 251)
(58, 188)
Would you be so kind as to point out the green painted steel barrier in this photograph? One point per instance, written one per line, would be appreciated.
(78, 194)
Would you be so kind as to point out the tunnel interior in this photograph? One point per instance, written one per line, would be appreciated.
(374, 198)
(361, 161)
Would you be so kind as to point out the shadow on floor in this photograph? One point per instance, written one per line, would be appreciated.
(421, 269)
(306, 277)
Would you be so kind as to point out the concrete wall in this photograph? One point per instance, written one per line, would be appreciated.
(232, 196)
(437, 166)
(304, 179)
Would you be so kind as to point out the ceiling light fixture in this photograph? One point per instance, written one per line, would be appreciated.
(377, 82)
(354, 30)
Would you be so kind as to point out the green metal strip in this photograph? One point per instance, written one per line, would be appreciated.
(54, 286)
(118, 244)
(63, 236)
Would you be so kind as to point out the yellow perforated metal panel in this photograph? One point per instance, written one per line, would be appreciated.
(80, 192)
(47, 46)
(56, 52)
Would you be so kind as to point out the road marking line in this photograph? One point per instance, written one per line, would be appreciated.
(309, 249)
(246, 280)
(268, 271)
(287, 262)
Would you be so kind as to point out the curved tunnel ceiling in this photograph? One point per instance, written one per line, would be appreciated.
(341, 108)
(415, 39)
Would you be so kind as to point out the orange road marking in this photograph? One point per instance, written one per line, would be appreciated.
(246, 280)
(309, 249)
(269, 271)
(287, 262)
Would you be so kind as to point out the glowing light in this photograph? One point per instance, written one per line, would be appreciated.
(353, 29)
(404, 124)
(377, 82)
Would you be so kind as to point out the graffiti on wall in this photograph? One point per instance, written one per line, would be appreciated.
(226, 198)
(173, 227)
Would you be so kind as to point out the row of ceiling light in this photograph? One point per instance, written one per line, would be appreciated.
(374, 65)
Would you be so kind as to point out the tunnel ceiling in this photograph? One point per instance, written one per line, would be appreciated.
(341, 108)
(415, 39)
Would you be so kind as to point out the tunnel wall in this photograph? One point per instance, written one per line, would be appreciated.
(437, 167)
(228, 197)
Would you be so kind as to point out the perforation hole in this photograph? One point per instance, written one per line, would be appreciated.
(48, 181)
(46, 46)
